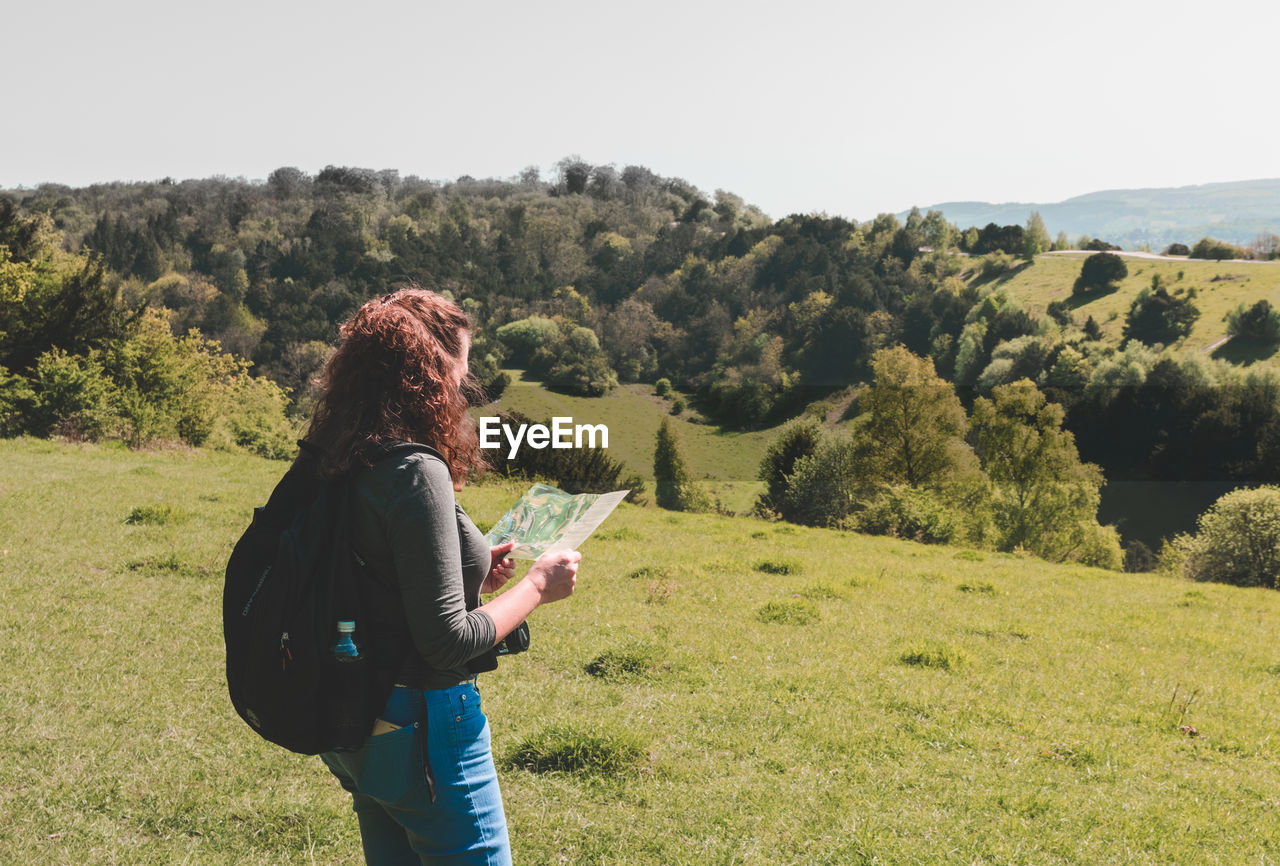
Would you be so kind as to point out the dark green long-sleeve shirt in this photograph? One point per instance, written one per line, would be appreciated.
(427, 560)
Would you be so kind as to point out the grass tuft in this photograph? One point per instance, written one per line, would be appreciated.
(788, 613)
(778, 566)
(978, 588)
(568, 749)
(937, 656)
(625, 664)
(156, 515)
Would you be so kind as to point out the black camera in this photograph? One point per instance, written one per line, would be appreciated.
(516, 642)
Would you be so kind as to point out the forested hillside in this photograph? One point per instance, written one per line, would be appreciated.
(585, 279)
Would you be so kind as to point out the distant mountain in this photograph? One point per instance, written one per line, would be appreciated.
(1237, 212)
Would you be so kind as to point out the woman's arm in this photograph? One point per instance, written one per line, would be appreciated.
(422, 535)
(551, 578)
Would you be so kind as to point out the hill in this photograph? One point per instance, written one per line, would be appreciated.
(1236, 212)
(761, 693)
(1219, 287)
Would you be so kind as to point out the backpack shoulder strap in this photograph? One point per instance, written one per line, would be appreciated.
(398, 446)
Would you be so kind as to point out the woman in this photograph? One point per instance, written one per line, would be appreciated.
(400, 373)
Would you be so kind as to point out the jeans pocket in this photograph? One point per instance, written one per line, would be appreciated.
(390, 766)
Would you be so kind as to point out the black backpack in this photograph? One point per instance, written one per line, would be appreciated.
(291, 577)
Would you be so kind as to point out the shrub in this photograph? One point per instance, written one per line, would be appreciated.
(1259, 323)
(1215, 250)
(1060, 313)
(997, 263)
(71, 397)
(1100, 272)
(796, 441)
(1158, 317)
(677, 406)
(16, 398)
(1177, 250)
(904, 512)
(662, 387)
(1237, 542)
(1139, 558)
(523, 337)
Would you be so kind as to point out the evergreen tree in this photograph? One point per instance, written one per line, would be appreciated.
(674, 489)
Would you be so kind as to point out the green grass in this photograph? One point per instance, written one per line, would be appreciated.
(1049, 723)
(725, 462)
(1220, 288)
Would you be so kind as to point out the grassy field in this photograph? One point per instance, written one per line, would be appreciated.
(1220, 288)
(719, 690)
(725, 462)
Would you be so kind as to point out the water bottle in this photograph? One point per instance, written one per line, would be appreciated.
(347, 686)
(345, 648)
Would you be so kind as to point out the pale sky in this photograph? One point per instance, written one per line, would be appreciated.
(849, 108)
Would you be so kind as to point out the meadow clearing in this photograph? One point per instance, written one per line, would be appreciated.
(718, 690)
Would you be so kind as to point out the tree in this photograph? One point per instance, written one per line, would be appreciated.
(1176, 249)
(1100, 272)
(1259, 323)
(1158, 317)
(1092, 329)
(1209, 248)
(674, 488)
(1046, 499)
(1035, 239)
(1238, 540)
(914, 423)
(796, 441)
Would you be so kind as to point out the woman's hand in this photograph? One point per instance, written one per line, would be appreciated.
(554, 574)
(501, 568)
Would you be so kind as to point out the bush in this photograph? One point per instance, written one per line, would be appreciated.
(1215, 250)
(1139, 558)
(71, 397)
(1177, 250)
(1259, 323)
(1238, 540)
(1100, 272)
(523, 337)
(904, 512)
(16, 398)
(995, 264)
(662, 387)
(796, 441)
(1158, 317)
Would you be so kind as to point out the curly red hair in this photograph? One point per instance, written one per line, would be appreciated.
(393, 376)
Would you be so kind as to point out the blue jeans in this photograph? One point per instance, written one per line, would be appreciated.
(399, 824)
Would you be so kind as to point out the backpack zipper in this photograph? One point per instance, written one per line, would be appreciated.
(285, 655)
